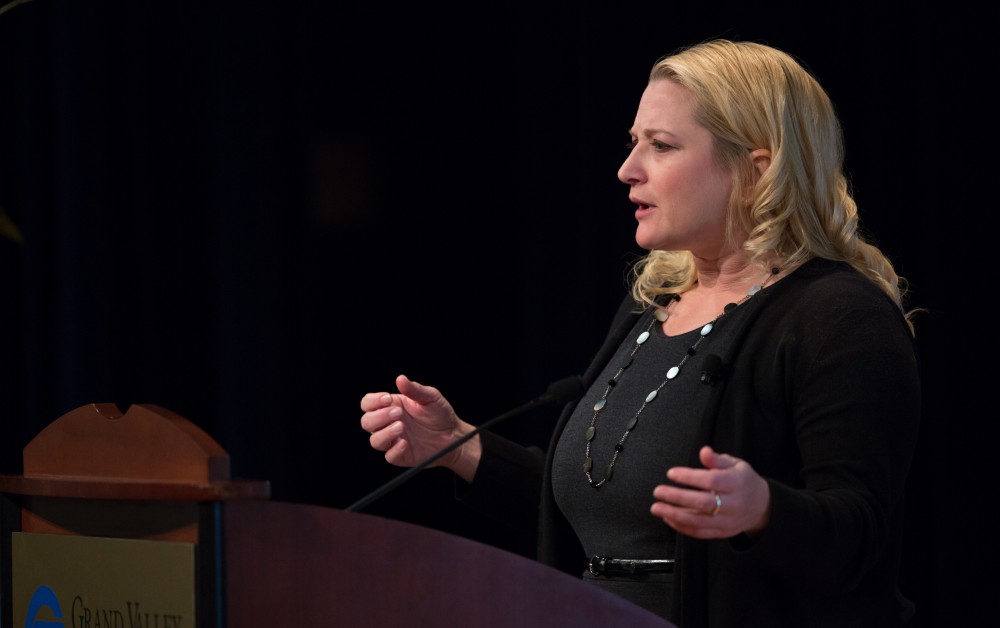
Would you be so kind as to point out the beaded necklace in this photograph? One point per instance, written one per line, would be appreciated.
(660, 315)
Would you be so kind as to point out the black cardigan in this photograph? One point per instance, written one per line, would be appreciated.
(821, 395)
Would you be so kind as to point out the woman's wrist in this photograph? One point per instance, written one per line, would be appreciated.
(466, 458)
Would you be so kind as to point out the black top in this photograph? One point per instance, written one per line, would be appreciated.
(613, 519)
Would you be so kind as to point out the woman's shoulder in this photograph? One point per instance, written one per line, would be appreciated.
(818, 282)
(825, 294)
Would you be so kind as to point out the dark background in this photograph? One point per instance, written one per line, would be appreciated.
(252, 213)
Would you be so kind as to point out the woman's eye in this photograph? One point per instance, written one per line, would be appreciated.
(657, 145)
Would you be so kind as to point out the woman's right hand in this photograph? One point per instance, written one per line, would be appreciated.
(415, 424)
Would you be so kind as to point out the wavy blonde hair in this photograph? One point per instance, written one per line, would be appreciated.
(751, 96)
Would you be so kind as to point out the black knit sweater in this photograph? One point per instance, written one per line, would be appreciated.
(821, 395)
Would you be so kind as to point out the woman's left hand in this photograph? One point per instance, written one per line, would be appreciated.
(722, 500)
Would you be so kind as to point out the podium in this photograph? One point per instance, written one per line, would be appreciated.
(133, 520)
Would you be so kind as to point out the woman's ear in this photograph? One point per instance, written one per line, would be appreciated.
(761, 158)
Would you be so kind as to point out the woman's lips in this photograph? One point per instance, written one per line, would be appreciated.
(642, 209)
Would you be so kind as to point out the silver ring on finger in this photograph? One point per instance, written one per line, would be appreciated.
(718, 504)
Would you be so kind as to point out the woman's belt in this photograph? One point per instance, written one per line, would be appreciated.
(602, 566)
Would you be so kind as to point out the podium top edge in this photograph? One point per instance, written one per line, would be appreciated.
(117, 489)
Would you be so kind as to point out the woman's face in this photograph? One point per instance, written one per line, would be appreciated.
(681, 192)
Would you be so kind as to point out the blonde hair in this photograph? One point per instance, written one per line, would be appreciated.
(754, 96)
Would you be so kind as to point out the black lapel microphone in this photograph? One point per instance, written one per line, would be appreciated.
(560, 392)
(711, 369)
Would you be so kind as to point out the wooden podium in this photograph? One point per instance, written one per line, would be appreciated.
(152, 478)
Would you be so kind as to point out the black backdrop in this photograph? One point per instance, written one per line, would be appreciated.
(252, 213)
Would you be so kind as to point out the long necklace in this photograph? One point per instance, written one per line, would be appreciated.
(660, 315)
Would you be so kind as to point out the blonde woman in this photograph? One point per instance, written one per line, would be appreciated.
(739, 457)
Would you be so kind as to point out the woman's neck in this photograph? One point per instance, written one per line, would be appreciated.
(720, 282)
(732, 273)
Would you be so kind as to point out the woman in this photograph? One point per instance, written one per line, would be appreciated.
(741, 453)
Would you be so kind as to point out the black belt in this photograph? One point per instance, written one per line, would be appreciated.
(601, 566)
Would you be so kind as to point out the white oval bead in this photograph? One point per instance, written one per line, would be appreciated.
(672, 373)
(650, 396)
(643, 337)
(661, 314)
(707, 329)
